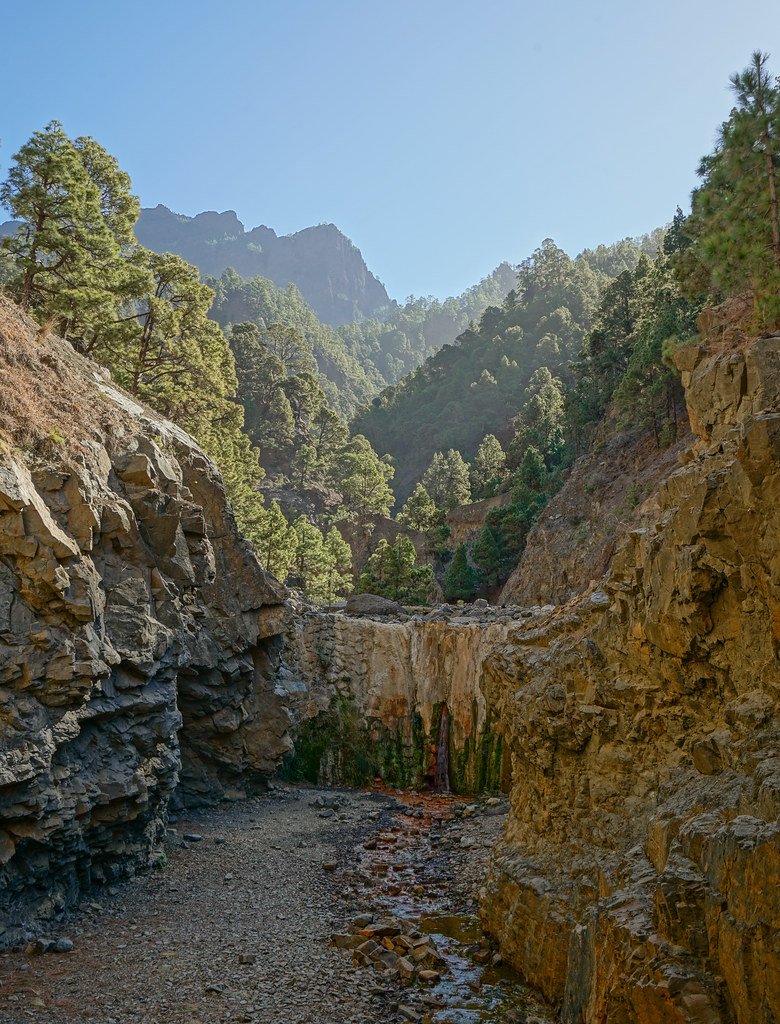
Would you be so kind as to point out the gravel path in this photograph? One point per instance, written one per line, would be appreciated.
(237, 926)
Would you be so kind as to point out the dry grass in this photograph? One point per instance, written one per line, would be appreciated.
(49, 402)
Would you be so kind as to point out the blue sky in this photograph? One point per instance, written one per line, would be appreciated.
(442, 136)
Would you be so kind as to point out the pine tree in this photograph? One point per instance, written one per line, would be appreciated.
(531, 474)
(489, 465)
(339, 555)
(275, 541)
(391, 571)
(364, 479)
(69, 265)
(311, 567)
(447, 480)
(735, 218)
(419, 511)
(486, 553)
(461, 580)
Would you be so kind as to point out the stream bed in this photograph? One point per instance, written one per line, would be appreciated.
(424, 872)
(236, 925)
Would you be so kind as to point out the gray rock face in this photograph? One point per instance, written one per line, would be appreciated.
(371, 604)
(139, 641)
(328, 270)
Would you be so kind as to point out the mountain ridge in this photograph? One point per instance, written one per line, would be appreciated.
(327, 267)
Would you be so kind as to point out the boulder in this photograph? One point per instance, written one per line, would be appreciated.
(371, 604)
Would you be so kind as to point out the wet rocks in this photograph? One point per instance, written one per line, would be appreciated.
(385, 946)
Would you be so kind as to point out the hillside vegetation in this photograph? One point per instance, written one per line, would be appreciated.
(576, 349)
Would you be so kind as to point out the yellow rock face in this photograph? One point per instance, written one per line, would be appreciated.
(637, 881)
(399, 671)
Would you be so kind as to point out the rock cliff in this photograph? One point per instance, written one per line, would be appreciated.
(138, 634)
(379, 688)
(328, 270)
(608, 492)
(637, 881)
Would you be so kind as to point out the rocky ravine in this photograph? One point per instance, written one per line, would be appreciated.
(637, 880)
(138, 634)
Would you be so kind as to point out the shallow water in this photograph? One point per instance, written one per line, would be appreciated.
(407, 887)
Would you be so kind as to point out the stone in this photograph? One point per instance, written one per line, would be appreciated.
(362, 921)
(410, 1014)
(371, 604)
(406, 968)
(643, 834)
(130, 666)
(429, 977)
(384, 928)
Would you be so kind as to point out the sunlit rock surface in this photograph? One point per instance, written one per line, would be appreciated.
(392, 675)
(637, 881)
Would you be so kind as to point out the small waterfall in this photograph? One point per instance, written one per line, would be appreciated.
(441, 777)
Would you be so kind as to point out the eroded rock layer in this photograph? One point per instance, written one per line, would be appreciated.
(380, 685)
(138, 634)
(637, 881)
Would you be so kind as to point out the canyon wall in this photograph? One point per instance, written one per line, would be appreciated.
(392, 677)
(637, 880)
(139, 636)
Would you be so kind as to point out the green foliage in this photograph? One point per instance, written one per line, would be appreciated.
(487, 555)
(76, 213)
(419, 511)
(735, 217)
(541, 422)
(447, 480)
(461, 580)
(292, 333)
(275, 541)
(310, 570)
(302, 439)
(333, 746)
(409, 334)
(339, 557)
(530, 476)
(391, 571)
(364, 479)
(145, 316)
(623, 367)
(542, 322)
(488, 467)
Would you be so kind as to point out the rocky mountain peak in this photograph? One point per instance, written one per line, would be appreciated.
(325, 266)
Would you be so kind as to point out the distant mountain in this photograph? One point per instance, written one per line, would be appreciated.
(328, 270)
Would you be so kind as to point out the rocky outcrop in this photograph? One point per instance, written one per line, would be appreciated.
(608, 492)
(139, 636)
(364, 535)
(328, 270)
(465, 521)
(636, 882)
(380, 684)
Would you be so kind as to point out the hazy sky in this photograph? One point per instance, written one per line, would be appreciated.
(442, 136)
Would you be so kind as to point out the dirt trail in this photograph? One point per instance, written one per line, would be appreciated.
(237, 926)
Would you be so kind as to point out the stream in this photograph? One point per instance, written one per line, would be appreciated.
(409, 872)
